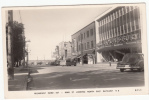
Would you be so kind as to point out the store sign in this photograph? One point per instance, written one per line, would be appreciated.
(126, 38)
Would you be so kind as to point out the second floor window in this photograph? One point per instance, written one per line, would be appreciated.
(84, 35)
(91, 32)
(81, 36)
(87, 33)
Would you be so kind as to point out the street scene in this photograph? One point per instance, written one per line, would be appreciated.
(74, 47)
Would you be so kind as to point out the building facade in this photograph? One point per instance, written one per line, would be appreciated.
(84, 44)
(63, 50)
(118, 32)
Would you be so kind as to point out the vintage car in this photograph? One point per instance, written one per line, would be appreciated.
(70, 62)
(39, 63)
(56, 62)
(131, 61)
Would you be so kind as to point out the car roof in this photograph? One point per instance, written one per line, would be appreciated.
(135, 53)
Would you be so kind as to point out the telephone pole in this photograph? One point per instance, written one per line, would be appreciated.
(81, 49)
(10, 62)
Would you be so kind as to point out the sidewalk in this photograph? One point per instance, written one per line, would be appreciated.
(20, 79)
(105, 64)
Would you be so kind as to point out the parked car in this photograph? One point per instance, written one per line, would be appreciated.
(57, 62)
(70, 62)
(39, 63)
(131, 61)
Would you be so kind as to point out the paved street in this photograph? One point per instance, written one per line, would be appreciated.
(76, 77)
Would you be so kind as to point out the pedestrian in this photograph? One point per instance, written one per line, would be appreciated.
(110, 62)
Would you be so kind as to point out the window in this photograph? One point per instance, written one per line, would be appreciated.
(88, 45)
(65, 45)
(77, 47)
(91, 32)
(84, 35)
(81, 36)
(92, 45)
(127, 8)
(85, 46)
(78, 38)
(122, 11)
(137, 17)
(87, 33)
(81, 46)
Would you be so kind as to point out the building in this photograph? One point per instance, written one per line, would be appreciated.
(68, 51)
(62, 51)
(84, 44)
(118, 32)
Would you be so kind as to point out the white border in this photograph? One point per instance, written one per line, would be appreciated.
(65, 2)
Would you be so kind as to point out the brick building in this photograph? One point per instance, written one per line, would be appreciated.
(84, 44)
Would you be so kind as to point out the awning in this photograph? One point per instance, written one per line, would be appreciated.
(72, 57)
(89, 52)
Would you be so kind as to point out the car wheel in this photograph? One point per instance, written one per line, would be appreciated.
(131, 69)
(141, 64)
(122, 70)
(140, 69)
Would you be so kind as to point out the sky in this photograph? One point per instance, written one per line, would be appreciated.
(46, 28)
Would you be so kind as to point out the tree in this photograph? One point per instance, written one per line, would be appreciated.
(18, 42)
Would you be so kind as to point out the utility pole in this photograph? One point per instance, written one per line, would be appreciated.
(24, 51)
(27, 52)
(81, 49)
(27, 56)
(10, 62)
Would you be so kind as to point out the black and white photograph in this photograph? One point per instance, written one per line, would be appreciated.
(75, 50)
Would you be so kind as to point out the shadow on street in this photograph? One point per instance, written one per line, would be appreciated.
(87, 79)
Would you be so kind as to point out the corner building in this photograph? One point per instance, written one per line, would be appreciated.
(118, 32)
(84, 44)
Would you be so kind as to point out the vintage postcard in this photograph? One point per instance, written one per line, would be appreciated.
(75, 50)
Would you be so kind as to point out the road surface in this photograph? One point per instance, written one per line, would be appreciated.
(81, 77)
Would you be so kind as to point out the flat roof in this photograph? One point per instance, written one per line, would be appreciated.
(106, 12)
(84, 27)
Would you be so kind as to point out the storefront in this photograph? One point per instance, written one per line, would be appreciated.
(118, 32)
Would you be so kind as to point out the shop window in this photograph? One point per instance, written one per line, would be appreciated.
(92, 44)
(88, 45)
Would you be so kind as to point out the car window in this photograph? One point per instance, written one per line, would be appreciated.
(131, 58)
(125, 58)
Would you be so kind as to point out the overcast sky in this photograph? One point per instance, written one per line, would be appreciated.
(46, 28)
